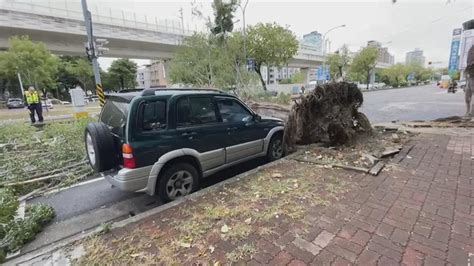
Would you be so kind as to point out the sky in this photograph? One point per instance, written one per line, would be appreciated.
(402, 27)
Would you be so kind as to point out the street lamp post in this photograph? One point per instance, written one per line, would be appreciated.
(243, 27)
(324, 43)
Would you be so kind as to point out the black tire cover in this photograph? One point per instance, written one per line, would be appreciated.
(103, 143)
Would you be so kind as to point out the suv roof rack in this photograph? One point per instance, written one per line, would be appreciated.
(129, 90)
(151, 91)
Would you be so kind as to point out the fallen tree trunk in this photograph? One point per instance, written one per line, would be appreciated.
(328, 114)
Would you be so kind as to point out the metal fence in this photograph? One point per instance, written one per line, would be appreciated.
(114, 17)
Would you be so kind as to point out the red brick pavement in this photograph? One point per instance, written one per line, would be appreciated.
(422, 214)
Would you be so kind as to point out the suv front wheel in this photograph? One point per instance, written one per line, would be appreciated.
(275, 148)
(178, 181)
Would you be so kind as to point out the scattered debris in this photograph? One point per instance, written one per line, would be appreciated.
(395, 138)
(277, 175)
(390, 151)
(347, 167)
(224, 229)
(376, 169)
(373, 160)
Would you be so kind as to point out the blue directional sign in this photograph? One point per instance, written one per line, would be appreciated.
(323, 73)
(453, 57)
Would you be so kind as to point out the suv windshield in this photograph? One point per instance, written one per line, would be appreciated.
(114, 114)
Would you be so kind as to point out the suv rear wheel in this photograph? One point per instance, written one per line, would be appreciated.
(275, 148)
(99, 147)
(178, 181)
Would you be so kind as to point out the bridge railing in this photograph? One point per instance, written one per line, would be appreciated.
(72, 10)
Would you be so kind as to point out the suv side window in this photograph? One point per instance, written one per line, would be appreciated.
(195, 111)
(154, 116)
(232, 111)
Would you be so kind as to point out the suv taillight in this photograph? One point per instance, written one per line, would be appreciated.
(128, 159)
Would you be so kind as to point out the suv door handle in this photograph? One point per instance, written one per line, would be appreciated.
(231, 128)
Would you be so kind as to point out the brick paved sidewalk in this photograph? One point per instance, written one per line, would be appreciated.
(417, 212)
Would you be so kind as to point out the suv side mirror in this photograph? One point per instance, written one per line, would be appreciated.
(257, 118)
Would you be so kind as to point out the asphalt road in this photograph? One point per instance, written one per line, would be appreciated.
(412, 103)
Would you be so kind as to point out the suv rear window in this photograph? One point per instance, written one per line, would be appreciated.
(114, 114)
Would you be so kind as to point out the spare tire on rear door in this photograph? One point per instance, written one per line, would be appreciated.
(99, 147)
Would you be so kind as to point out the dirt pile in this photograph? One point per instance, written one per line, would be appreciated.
(328, 114)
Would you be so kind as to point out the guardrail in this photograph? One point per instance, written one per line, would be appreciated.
(109, 16)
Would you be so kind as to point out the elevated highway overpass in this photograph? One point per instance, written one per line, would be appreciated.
(139, 37)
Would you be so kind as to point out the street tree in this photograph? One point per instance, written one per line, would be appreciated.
(338, 62)
(395, 75)
(81, 70)
(364, 63)
(201, 61)
(270, 44)
(223, 17)
(123, 73)
(36, 65)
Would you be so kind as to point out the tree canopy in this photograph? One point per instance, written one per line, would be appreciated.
(202, 61)
(36, 65)
(270, 44)
(81, 70)
(223, 17)
(338, 62)
(364, 63)
(123, 73)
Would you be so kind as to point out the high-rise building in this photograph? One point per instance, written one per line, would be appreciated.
(313, 39)
(415, 57)
(384, 55)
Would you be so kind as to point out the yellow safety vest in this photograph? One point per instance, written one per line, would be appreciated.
(32, 97)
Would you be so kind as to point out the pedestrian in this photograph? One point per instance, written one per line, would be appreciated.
(34, 104)
(302, 90)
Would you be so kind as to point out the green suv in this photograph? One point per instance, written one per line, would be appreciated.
(163, 141)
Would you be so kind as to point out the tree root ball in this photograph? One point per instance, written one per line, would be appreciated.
(328, 114)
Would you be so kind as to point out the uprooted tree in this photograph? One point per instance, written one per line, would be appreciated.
(328, 114)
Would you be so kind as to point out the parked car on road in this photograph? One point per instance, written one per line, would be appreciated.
(163, 141)
(15, 103)
(462, 84)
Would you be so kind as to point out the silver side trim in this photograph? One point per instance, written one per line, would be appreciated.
(236, 152)
(222, 167)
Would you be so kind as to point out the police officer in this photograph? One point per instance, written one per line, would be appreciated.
(34, 104)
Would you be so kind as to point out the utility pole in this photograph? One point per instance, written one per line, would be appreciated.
(93, 52)
(21, 85)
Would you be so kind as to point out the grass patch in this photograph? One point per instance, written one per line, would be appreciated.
(241, 252)
(239, 231)
(246, 208)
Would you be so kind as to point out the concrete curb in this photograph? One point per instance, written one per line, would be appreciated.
(193, 197)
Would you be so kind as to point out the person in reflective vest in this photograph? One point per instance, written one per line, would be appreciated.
(34, 104)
